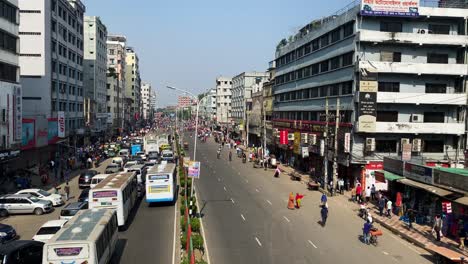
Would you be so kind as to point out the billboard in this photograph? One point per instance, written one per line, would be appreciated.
(61, 124)
(418, 173)
(52, 130)
(367, 107)
(42, 131)
(297, 142)
(399, 8)
(284, 137)
(194, 169)
(17, 112)
(28, 134)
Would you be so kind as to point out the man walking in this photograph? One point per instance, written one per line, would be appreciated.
(389, 208)
(324, 214)
(358, 192)
(67, 191)
(381, 205)
(437, 226)
(368, 194)
(341, 185)
(373, 190)
(366, 232)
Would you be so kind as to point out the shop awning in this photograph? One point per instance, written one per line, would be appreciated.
(463, 200)
(391, 176)
(429, 188)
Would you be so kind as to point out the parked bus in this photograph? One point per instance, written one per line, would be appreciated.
(118, 191)
(161, 183)
(89, 237)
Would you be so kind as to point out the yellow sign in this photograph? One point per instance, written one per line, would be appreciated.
(368, 86)
(297, 142)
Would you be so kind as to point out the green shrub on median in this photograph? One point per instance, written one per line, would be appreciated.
(197, 241)
(195, 224)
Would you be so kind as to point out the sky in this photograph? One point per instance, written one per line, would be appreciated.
(187, 44)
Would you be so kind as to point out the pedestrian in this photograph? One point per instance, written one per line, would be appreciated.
(389, 208)
(277, 171)
(366, 232)
(347, 184)
(298, 200)
(67, 175)
(291, 201)
(368, 194)
(67, 191)
(341, 185)
(461, 234)
(381, 205)
(437, 227)
(353, 194)
(373, 190)
(411, 217)
(358, 192)
(324, 214)
(323, 199)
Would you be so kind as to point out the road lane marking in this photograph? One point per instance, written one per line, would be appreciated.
(232, 200)
(225, 188)
(219, 179)
(310, 242)
(243, 218)
(238, 173)
(258, 241)
(385, 253)
(257, 190)
(269, 202)
(286, 219)
(246, 181)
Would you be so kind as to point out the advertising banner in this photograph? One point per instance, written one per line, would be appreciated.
(347, 142)
(17, 112)
(367, 111)
(194, 169)
(42, 131)
(52, 130)
(393, 165)
(399, 8)
(371, 168)
(418, 173)
(297, 143)
(284, 137)
(61, 124)
(28, 138)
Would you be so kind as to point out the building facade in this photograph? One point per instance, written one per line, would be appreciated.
(133, 84)
(208, 106)
(184, 101)
(396, 86)
(146, 100)
(10, 88)
(116, 66)
(95, 73)
(223, 100)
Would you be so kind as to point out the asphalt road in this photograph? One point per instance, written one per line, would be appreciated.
(246, 220)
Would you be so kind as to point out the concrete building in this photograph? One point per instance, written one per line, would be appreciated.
(116, 65)
(10, 89)
(133, 84)
(184, 101)
(95, 73)
(146, 99)
(208, 106)
(401, 85)
(51, 61)
(223, 100)
(153, 101)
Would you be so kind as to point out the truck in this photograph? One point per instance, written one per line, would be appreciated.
(135, 148)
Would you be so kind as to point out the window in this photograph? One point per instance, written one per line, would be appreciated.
(8, 72)
(54, 26)
(335, 35)
(391, 26)
(324, 41)
(389, 87)
(3, 115)
(436, 88)
(334, 89)
(390, 56)
(305, 94)
(334, 63)
(387, 116)
(439, 29)
(315, 44)
(385, 146)
(437, 58)
(347, 88)
(8, 11)
(8, 42)
(348, 59)
(315, 69)
(323, 91)
(348, 29)
(324, 66)
(434, 117)
(434, 146)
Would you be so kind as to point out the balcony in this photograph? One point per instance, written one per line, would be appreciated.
(421, 98)
(415, 68)
(418, 128)
(411, 38)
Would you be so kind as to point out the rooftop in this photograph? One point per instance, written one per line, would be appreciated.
(463, 172)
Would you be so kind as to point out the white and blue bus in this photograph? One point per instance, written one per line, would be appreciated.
(89, 237)
(161, 183)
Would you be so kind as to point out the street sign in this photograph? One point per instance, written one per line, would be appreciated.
(194, 169)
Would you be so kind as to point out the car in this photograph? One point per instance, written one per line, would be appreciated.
(84, 180)
(56, 199)
(48, 230)
(21, 251)
(150, 164)
(97, 179)
(23, 204)
(152, 156)
(129, 164)
(71, 209)
(167, 155)
(141, 154)
(138, 159)
(119, 161)
(7, 233)
(84, 196)
(111, 168)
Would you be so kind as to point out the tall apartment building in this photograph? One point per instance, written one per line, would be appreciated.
(184, 101)
(133, 84)
(95, 73)
(401, 86)
(10, 89)
(51, 61)
(116, 80)
(223, 100)
(153, 101)
(146, 99)
(208, 106)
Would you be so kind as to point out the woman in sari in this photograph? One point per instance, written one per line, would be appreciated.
(291, 201)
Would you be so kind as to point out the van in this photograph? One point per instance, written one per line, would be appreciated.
(97, 179)
(167, 155)
(118, 160)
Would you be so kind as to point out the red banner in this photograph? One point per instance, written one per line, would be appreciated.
(284, 137)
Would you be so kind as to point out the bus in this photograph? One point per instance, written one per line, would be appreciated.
(118, 191)
(161, 183)
(89, 237)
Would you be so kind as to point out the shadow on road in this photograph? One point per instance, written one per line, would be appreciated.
(205, 202)
(119, 250)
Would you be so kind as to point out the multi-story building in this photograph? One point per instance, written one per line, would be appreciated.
(184, 101)
(208, 106)
(51, 61)
(398, 86)
(153, 101)
(95, 73)
(133, 84)
(10, 89)
(146, 99)
(116, 67)
(268, 100)
(223, 100)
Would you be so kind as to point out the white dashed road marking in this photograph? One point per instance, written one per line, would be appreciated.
(310, 242)
(269, 202)
(232, 200)
(257, 190)
(285, 218)
(243, 218)
(224, 188)
(258, 241)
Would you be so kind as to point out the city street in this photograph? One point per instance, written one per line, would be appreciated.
(246, 220)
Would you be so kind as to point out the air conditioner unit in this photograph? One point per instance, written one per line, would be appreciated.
(370, 144)
(312, 139)
(290, 136)
(416, 118)
(304, 139)
(417, 144)
(422, 31)
(404, 141)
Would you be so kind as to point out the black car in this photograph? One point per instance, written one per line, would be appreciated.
(85, 178)
(21, 251)
(7, 233)
(84, 196)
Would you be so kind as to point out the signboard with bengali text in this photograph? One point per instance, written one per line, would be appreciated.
(397, 8)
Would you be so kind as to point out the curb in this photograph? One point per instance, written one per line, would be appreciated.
(403, 235)
(202, 230)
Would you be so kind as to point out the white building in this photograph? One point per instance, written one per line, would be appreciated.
(153, 101)
(10, 90)
(208, 108)
(95, 73)
(146, 99)
(116, 80)
(243, 85)
(223, 99)
(133, 84)
(51, 60)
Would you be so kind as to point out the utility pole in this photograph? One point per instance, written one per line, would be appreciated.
(335, 154)
(264, 130)
(247, 127)
(325, 152)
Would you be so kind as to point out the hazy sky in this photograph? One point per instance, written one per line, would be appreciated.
(187, 44)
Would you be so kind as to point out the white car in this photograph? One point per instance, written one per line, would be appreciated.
(56, 199)
(141, 154)
(128, 165)
(48, 230)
